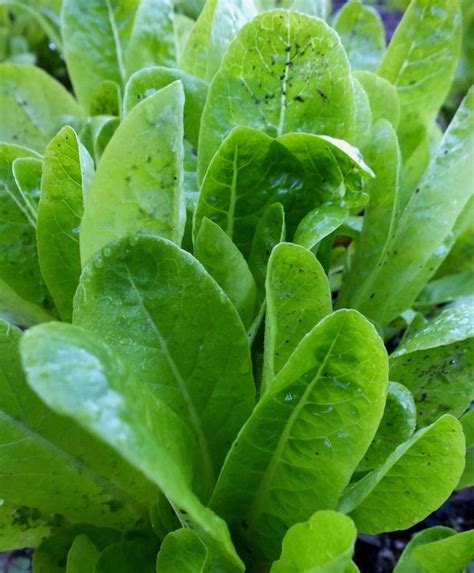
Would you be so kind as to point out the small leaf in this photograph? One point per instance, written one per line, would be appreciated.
(383, 97)
(182, 552)
(27, 173)
(467, 478)
(105, 99)
(82, 555)
(320, 223)
(127, 557)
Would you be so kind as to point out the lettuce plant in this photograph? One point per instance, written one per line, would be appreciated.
(240, 256)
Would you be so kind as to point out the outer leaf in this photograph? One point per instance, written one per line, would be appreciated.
(328, 398)
(323, 544)
(127, 557)
(437, 550)
(152, 38)
(298, 297)
(67, 175)
(94, 35)
(34, 106)
(318, 8)
(82, 556)
(275, 77)
(320, 223)
(413, 251)
(22, 526)
(142, 429)
(467, 478)
(23, 293)
(138, 184)
(414, 481)
(182, 552)
(436, 364)
(189, 341)
(362, 34)
(225, 263)
(397, 426)
(218, 23)
(383, 97)
(421, 59)
(146, 82)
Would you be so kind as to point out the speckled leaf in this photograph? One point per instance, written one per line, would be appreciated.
(190, 341)
(329, 397)
(138, 184)
(323, 544)
(397, 425)
(362, 34)
(22, 526)
(216, 27)
(414, 481)
(27, 173)
(59, 471)
(67, 175)
(383, 97)
(298, 297)
(437, 550)
(436, 363)
(127, 557)
(152, 39)
(467, 478)
(182, 552)
(421, 59)
(140, 427)
(320, 223)
(284, 72)
(34, 106)
(145, 83)
(19, 269)
(225, 263)
(95, 33)
(413, 250)
(82, 555)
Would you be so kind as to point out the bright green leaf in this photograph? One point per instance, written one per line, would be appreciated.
(182, 552)
(320, 223)
(467, 478)
(27, 173)
(383, 97)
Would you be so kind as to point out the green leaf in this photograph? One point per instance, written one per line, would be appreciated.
(217, 25)
(383, 97)
(318, 8)
(68, 171)
(182, 552)
(138, 184)
(190, 341)
(27, 173)
(421, 59)
(127, 557)
(146, 82)
(183, 26)
(106, 402)
(152, 39)
(298, 297)
(51, 555)
(22, 526)
(447, 289)
(328, 398)
(323, 544)
(34, 106)
(41, 15)
(105, 99)
(284, 72)
(225, 263)
(362, 34)
(437, 550)
(397, 425)
(414, 481)
(412, 251)
(436, 364)
(82, 555)
(320, 223)
(23, 293)
(94, 36)
(103, 136)
(269, 232)
(467, 478)
(363, 114)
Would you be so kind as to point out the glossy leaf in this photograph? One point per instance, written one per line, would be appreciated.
(324, 543)
(362, 34)
(82, 556)
(68, 171)
(328, 398)
(298, 297)
(146, 82)
(217, 25)
(414, 481)
(320, 223)
(141, 428)
(436, 364)
(182, 552)
(275, 78)
(139, 187)
(467, 478)
(34, 106)
(189, 341)
(397, 425)
(225, 263)
(383, 97)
